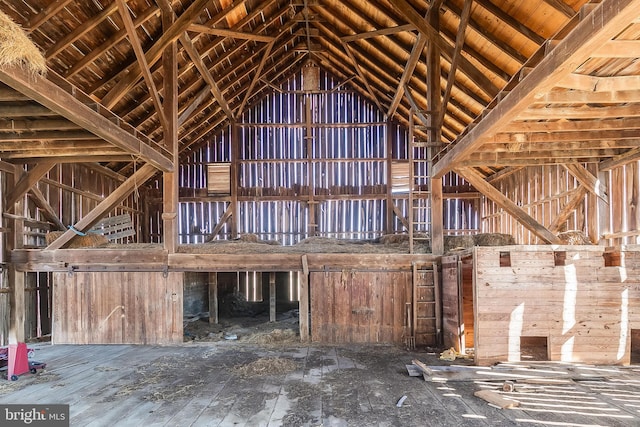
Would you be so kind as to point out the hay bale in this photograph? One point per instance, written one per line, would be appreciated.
(91, 240)
(574, 237)
(249, 238)
(393, 239)
(493, 239)
(457, 242)
(17, 49)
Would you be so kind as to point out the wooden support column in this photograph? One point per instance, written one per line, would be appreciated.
(16, 279)
(434, 121)
(312, 227)
(235, 153)
(303, 301)
(170, 199)
(16, 305)
(272, 297)
(389, 155)
(437, 219)
(213, 298)
(593, 229)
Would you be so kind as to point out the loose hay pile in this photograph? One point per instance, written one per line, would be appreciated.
(277, 336)
(17, 49)
(266, 366)
(574, 237)
(91, 240)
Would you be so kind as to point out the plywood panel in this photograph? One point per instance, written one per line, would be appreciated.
(359, 307)
(117, 307)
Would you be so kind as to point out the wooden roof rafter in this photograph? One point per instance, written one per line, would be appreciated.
(605, 21)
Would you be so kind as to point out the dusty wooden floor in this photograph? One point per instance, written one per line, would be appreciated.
(209, 385)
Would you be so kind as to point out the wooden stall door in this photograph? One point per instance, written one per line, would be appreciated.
(359, 307)
(451, 304)
(117, 308)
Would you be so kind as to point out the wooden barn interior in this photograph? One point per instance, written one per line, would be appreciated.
(431, 174)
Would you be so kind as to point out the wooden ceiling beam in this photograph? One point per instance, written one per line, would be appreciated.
(102, 170)
(581, 112)
(66, 105)
(479, 182)
(589, 83)
(513, 53)
(378, 33)
(532, 156)
(561, 7)
(26, 181)
(573, 146)
(567, 136)
(194, 103)
(462, 28)
(116, 38)
(511, 22)
(466, 66)
(604, 23)
(567, 210)
(132, 73)
(589, 181)
(46, 135)
(563, 125)
(23, 110)
(80, 31)
(224, 32)
(142, 62)
(414, 57)
(104, 207)
(256, 78)
(618, 49)
(191, 50)
(362, 75)
(620, 160)
(47, 13)
(41, 203)
(37, 125)
(589, 97)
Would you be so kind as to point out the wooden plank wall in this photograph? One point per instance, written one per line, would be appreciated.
(582, 300)
(542, 191)
(117, 308)
(337, 186)
(73, 190)
(359, 306)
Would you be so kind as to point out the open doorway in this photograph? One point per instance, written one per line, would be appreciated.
(635, 347)
(247, 306)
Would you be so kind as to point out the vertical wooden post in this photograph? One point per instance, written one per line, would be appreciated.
(312, 227)
(170, 105)
(389, 155)
(303, 301)
(435, 137)
(235, 154)
(213, 298)
(16, 306)
(437, 220)
(592, 210)
(272, 297)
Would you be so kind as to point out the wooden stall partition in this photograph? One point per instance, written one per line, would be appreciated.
(572, 303)
(117, 308)
(359, 306)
